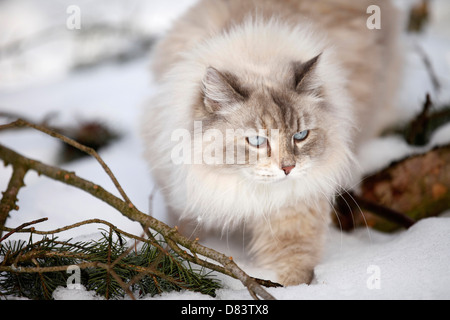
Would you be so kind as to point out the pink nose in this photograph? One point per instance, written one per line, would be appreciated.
(288, 169)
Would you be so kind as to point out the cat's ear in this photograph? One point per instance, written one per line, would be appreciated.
(221, 90)
(304, 77)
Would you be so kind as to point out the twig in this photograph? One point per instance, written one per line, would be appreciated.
(22, 123)
(22, 226)
(109, 268)
(9, 199)
(419, 125)
(429, 67)
(15, 269)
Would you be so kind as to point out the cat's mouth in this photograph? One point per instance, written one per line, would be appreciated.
(270, 178)
(267, 176)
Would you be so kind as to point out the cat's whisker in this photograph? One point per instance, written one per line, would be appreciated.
(330, 202)
(344, 190)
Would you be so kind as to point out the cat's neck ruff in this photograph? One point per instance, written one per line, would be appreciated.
(225, 201)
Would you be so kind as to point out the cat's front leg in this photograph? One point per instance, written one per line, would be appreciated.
(291, 241)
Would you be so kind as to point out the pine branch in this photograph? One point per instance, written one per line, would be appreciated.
(110, 268)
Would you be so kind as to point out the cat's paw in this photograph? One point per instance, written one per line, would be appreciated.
(295, 277)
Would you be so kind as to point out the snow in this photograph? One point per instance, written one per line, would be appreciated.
(361, 264)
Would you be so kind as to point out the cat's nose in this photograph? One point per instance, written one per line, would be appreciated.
(288, 169)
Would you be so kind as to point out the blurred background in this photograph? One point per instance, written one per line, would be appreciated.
(42, 40)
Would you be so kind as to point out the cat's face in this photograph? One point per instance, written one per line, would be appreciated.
(270, 133)
(287, 139)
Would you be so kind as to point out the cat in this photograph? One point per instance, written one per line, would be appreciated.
(300, 84)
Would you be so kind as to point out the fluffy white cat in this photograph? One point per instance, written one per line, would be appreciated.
(272, 92)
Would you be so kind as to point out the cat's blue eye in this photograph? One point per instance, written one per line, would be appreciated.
(257, 141)
(302, 135)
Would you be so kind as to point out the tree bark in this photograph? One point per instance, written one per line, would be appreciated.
(418, 187)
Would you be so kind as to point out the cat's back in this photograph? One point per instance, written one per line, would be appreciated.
(204, 20)
(344, 21)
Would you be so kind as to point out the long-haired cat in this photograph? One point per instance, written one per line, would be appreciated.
(260, 107)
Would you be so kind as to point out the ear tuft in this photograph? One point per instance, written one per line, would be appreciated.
(304, 80)
(220, 90)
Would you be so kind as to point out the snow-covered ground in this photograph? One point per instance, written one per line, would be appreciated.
(38, 80)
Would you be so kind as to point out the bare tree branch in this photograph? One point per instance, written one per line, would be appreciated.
(21, 227)
(22, 123)
(9, 199)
